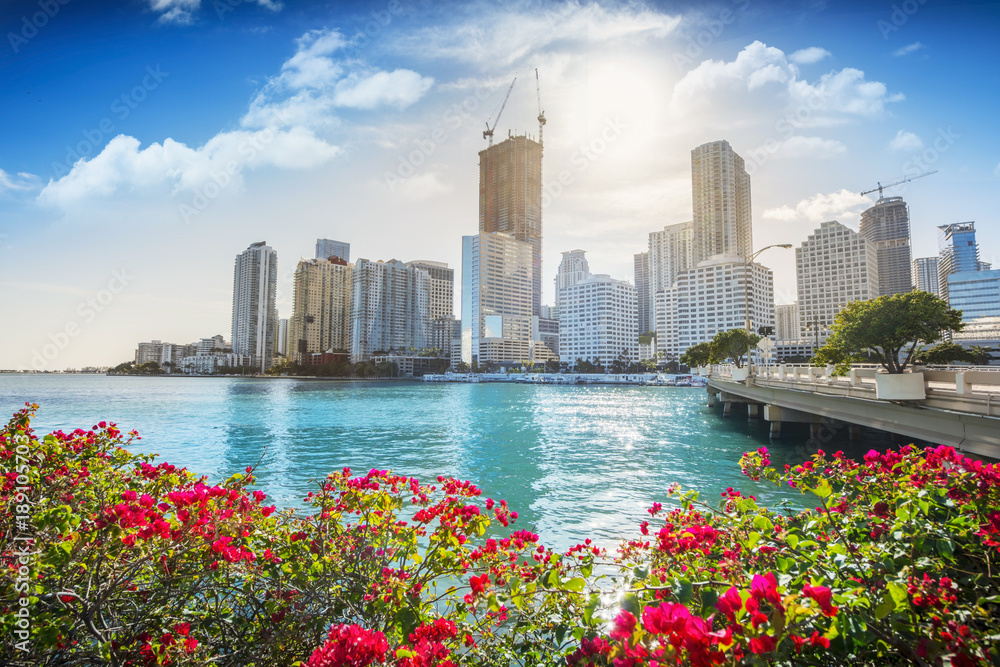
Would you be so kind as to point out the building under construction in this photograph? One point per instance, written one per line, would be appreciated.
(886, 225)
(510, 199)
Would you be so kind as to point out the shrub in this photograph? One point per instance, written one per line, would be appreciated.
(114, 559)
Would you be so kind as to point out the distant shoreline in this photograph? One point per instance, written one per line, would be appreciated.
(238, 377)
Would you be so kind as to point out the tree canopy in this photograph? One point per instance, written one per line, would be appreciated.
(733, 344)
(888, 327)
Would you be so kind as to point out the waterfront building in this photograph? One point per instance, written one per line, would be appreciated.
(413, 365)
(390, 308)
(497, 299)
(327, 248)
(255, 320)
(642, 294)
(546, 338)
(321, 307)
(572, 269)
(442, 303)
(786, 322)
(166, 355)
(598, 321)
(886, 226)
(510, 200)
(958, 252)
(214, 345)
(711, 298)
(926, 276)
(834, 266)
(720, 193)
(281, 341)
(975, 293)
(206, 364)
(981, 332)
(442, 331)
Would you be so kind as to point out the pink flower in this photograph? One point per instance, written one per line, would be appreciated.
(765, 588)
(823, 597)
(730, 603)
(763, 644)
(624, 626)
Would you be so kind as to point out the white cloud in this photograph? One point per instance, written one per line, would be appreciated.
(839, 205)
(810, 147)
(19, 182)
(496, 38)
(313, 83)
(181, 12)
(908, 49)
(421, 187)
(763, 83)
(123, 169)
(906, 141)
(808, 56)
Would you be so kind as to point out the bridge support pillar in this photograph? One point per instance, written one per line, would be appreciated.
(727, 408)
(961, 386)
(815, 431)
(753, 411)
(854, 432)
(775, 430)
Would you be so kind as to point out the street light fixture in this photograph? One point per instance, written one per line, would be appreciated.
(746, 290)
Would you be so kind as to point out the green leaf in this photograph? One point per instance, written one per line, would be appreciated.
(898, 592)
(823, 489)
(588, 611)
(885, 607)
(763, 524)
(792, 540)
(576, 585)
(560, 633)
(753, 539)
(684, 590)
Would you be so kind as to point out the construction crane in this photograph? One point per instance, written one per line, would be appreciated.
(905, 180)
(488, 132)
(541, 113)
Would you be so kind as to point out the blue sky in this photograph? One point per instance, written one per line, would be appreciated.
(158, 138)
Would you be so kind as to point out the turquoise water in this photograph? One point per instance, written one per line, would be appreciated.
(573, 461)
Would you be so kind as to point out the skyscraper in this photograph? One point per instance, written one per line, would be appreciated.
(321, 307)
(510, 199)
(886, 225)
(833, 267)
(598, 321)
(925, 275)
(643, 304)
(786, 322)
(390, 308)
(327, 248)
(255, 319)
(720, 191)
(442, 302)
(572, 269)
(497, 316)
(958, 251)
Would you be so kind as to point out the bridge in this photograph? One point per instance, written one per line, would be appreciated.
(956, 406)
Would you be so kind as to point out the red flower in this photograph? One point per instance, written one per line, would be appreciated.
(624, 626)
(823, 597)
(763, 644)
(765, 588)
(350, 646)
(730, 603)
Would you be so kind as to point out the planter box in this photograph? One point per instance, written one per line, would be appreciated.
(741, 374)
(900, 386)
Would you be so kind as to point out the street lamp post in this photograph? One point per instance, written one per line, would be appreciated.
(746, 290)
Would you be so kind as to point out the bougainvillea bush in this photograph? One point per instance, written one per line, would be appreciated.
(113, 558)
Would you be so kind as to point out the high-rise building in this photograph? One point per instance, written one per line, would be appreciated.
(975, 293)
(510, 199)
(572, 269)
(321, 308)
(925, 275)
(720, 190)
(390, 308)
(255, 320)
(958, 251)
(327, 248)
(786, 322)
(442, 331)
(711, 298)
(670, 252)
(442, 287)
(886, 225)
(833, 267)
(281, 341)
(497, 303)
(598, 321)
(643, 304)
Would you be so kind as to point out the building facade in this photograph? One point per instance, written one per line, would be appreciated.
(787, 326)
(925, 275)
(958, 251)
(255, 320)
(975, 293)
(834, 266)
(321, 307)
(598, 321)
(510, 199)
(720, 193)
(442, 302)
(390, 308)
(886, 225)
(644, 305)
(327, 248)
(497, 299)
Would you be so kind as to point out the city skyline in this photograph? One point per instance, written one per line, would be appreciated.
(342, 125)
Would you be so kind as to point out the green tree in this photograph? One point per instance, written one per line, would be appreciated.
(889, 328)
(734, 344)
(981, 355)
(698, 355)
(945, 353)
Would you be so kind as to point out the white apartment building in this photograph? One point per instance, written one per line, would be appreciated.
(926, 276)
(442, 302)
(255, 320)
(711, 298)
(390, 308)
(720, 197)
(597, 320)
(787, 325)
(833, 267)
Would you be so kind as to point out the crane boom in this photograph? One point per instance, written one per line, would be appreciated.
(488, 132)
(905, 180)
(541, 113)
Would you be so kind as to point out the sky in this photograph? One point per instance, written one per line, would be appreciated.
(145, 143)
